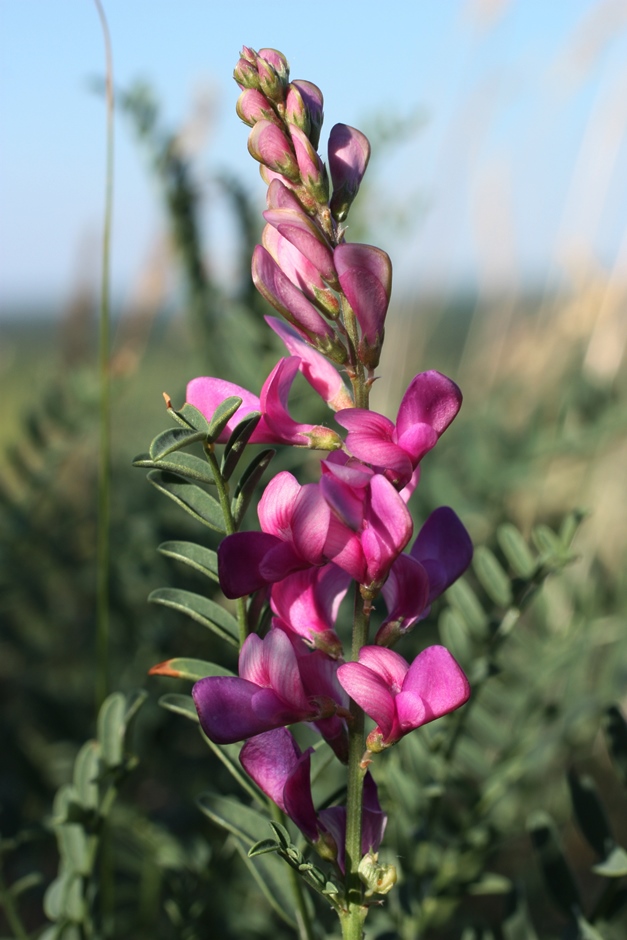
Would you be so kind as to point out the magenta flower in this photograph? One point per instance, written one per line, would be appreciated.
(268, 693)
(400, 697)
(279, 768)
(276, 426)
(319, 372)
(428, 407)
(294, 521)
(370, 524)
(354, 518)
(439, 556)
(349, 152)
(306, 603)
(365, 276)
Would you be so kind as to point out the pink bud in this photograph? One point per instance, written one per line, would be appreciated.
(312, 170)
(245, 74)
(278, 62)
(268, 144)
(349, 152)
(365, 275)
(302, 232)
(252, 106)
(280, 197)
(313, 100)
(300, 271)
(291, 303)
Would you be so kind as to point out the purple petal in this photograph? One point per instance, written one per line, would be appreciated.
(269, 759)
(224, 706)
(444, 548)
(349, 152)
(240, 557)
(406, 594)
(308, 600)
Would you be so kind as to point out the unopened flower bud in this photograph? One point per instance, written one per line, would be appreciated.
(245, 74)
(290, 302)
(312, 98)
(312, 170)
(349, 152)
(322, 438)
(278, 62)
(273, 72)
(302, 232)
(379, 879)
(268, 144)
(253, 106)
(295, 111)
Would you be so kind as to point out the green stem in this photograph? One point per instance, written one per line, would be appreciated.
(305, 926)
(104, 470)
(352, 920)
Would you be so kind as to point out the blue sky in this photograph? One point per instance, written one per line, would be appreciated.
(517, 169)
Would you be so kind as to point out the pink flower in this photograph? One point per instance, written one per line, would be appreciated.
(428, 407)
(319, 372)
(276, 426)
(439, 556)
(279, 768)
(353, 518)
(294, 521)
(400, 697)
(306, 603)
(269, 692)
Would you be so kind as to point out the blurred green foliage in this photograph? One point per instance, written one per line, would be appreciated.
(538, 623)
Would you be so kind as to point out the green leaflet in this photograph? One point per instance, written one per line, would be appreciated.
(196, 556)
(167, 442)
(200, 609)
(194, 500)
(184, 465)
